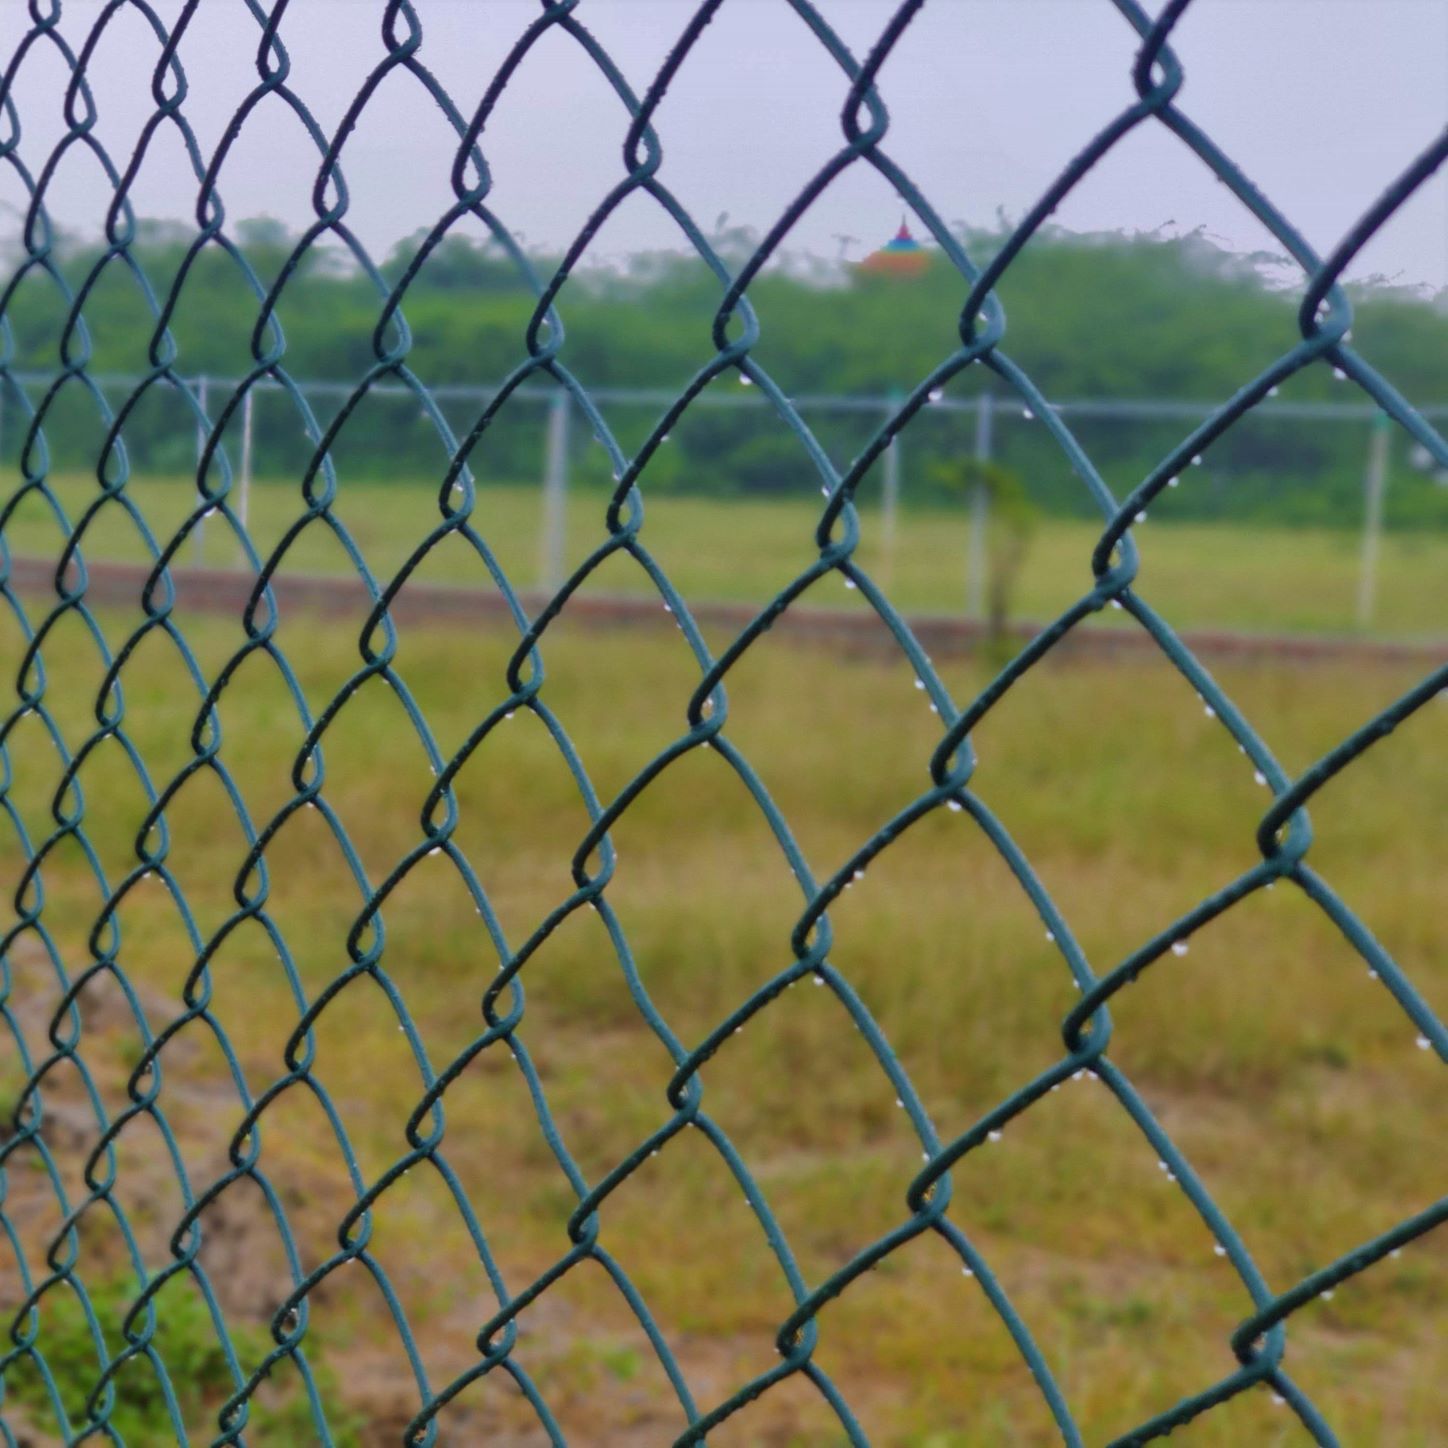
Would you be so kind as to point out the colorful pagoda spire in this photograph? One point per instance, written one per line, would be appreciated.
(901, 256)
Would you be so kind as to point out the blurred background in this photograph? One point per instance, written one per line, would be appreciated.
(315, 941)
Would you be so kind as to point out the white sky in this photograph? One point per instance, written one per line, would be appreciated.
(1321, 102)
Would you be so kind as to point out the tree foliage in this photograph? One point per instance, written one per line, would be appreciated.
(1110, 317)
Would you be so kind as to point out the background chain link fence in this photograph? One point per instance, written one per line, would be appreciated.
(1152, 97)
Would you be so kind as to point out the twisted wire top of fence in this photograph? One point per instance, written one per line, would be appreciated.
(1153, 96)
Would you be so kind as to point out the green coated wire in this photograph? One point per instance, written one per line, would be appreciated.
(1155, 85)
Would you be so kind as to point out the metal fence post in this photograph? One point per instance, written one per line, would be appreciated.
(889, 500)
(979, 505)
(1374, 484)
(199, 532)
(243, 494)
(555, 495)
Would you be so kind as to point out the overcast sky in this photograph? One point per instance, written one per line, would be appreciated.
(1321, 102)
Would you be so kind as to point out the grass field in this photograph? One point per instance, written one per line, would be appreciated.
(1290, 1078)
(1198, 575)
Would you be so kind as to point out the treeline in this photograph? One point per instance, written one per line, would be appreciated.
(1102, 317)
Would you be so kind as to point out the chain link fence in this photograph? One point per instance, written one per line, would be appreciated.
(83, 1392)
(269, 448)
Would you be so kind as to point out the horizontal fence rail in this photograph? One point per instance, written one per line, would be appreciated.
(1123, 408)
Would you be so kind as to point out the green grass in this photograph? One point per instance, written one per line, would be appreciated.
(1289, 1077)
(197, 1375)
(1199, 575)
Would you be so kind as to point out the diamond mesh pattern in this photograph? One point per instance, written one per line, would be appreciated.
(1152, 94)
